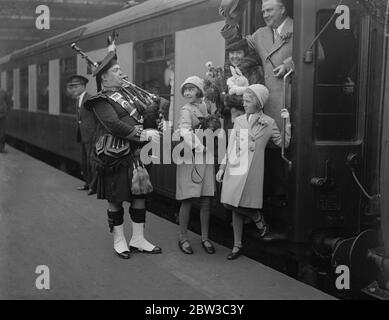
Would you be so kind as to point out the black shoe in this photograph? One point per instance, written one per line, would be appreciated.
(209, 248)
(83, 188)
(91, 192)
(235, 255)
(4, 151)
(156, 250)
(186, 250)
(124, 254)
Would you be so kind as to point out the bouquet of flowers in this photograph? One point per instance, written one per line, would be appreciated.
(214, 87)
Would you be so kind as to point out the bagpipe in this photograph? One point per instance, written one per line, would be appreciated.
(150, 109)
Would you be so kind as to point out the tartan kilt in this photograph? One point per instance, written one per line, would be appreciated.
(112, 178)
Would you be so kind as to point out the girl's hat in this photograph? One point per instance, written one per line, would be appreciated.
(261, 92)
(196, 81)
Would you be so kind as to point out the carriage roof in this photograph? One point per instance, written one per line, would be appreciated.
(143, 11)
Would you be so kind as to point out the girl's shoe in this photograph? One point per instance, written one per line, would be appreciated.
(185, 249)
(235, 254)
(208, 246)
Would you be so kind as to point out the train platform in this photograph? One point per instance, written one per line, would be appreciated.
(44, 220)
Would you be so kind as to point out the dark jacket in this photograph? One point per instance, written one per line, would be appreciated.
(5, 104)
(86, 122)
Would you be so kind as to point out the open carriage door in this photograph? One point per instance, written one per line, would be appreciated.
(328, 116)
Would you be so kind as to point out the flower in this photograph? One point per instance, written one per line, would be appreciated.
(260, 122)
(286, 37)
(209, 65)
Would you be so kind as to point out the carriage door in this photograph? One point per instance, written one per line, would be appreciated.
(329, 88)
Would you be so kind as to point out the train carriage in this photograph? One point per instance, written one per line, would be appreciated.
(336, 100)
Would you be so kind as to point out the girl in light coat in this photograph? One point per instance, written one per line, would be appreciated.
(242, 189)
(194, 181)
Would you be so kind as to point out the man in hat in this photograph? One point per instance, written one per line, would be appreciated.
(5, 105)
(117, 115)
(86, 125)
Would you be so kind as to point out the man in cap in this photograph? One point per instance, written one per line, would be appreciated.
(117, 115)
(86, 125)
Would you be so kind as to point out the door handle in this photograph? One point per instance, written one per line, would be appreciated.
(353, 163)
(288, 162)
(324, 183)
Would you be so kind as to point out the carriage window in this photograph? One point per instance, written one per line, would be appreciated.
(68, 68)
(336, 81)
(43, 87)
(24, 88)
(154, 66)
(10, 85)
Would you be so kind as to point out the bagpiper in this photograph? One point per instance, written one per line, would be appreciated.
(119, 173)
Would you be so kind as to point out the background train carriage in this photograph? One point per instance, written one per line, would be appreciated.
(336, 103)
(152, 36)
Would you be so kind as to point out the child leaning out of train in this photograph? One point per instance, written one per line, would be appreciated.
(243, 168)
(194, 182)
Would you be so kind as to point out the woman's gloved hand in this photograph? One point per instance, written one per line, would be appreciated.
(285, 114)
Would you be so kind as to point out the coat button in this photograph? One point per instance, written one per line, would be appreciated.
(252, 138)
(252, 148)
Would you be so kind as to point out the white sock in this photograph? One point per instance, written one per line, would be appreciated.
(138, 240)
(119, 240)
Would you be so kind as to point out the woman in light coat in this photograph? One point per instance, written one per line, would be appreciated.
(194, 182)
(243, 172)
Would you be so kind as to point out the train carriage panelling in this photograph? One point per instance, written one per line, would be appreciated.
(16, 90)
(32, 102)
(384, 183)
(3, 79)
(33, 127)
(48, 132)
(54, 87)
(193, 50)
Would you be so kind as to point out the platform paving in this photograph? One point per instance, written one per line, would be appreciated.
(44, 220)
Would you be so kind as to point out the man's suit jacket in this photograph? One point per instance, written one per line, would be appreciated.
(86, 122)
(273, 54)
